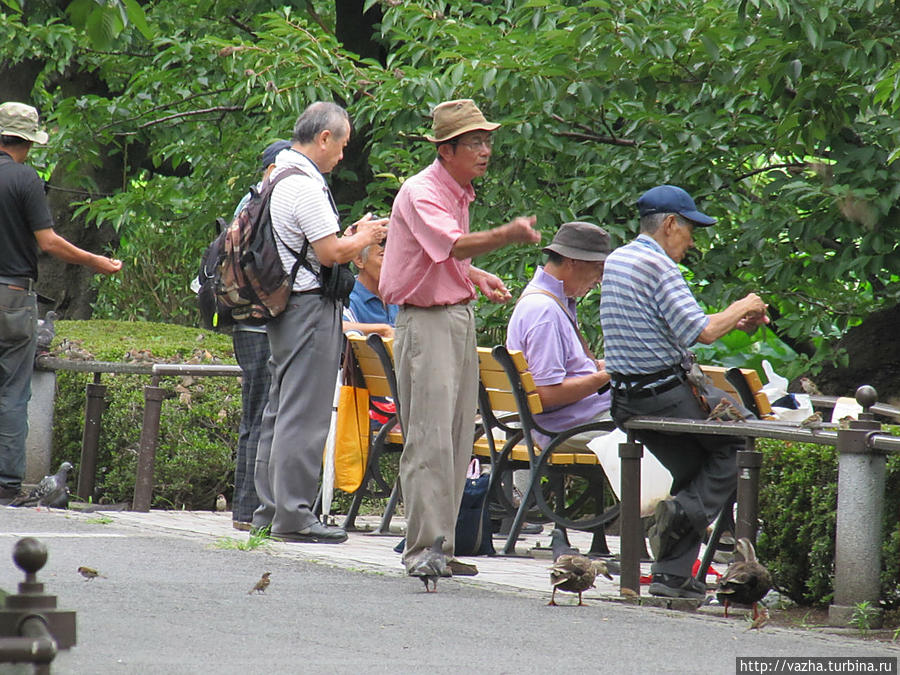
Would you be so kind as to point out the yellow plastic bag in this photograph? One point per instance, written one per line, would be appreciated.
(351, 438)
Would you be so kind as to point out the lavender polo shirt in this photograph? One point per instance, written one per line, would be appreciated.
(430, 212)
(541, 330)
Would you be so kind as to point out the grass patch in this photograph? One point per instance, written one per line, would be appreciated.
(258, 539)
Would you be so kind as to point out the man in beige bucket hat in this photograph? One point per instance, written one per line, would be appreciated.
(25, 226)
(428, 273)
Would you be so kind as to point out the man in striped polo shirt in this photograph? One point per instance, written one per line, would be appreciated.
(650, 319)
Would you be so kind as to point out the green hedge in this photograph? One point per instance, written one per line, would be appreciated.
(798, 507)
(198, 426)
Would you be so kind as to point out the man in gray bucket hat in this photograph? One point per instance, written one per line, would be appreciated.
(25, 226)
(544, 326)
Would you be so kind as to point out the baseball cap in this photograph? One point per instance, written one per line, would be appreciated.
(672, 199)
(271, 152)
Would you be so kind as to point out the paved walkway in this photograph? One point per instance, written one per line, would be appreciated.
(527, 571)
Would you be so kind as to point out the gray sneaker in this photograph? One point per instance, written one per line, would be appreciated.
(672, 586)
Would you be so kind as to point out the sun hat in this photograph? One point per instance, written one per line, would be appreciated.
(454, 118)
(672, 199)
(580, 241)
(21, 120)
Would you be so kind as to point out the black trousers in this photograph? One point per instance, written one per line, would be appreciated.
(703, 468)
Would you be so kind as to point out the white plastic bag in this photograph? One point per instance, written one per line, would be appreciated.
(655, 478)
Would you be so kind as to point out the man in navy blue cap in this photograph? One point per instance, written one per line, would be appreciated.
(251, 349)
(650, 319)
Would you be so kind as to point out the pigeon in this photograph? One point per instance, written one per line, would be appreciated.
(221, 503)
(746, 581)
(431, 564)
(89, 573)
(262, 584)
(50, 492)
(560, 545)
(726, 411)
(46, 330)
(571, 571)
(810, 387)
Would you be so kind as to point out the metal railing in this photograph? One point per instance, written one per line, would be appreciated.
(32, 629)
(861, 451)
(95, 396)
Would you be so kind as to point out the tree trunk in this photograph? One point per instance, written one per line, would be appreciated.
(874, 358)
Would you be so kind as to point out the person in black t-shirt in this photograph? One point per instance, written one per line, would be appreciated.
(25, 226)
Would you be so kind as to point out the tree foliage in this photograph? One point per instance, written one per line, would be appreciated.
(778, 115)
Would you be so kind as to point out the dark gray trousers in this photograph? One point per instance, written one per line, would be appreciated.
(703, 468)
(305, 341)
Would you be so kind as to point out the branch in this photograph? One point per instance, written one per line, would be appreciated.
(771, 167)
(589, 134)
(163, 105)
(315, 17)
(189, 113)
(240, 24)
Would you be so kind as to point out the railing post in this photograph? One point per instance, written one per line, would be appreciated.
(32, 629)
(143, 484)
(749, 462)
(95, 394)
(860, 503)
(632, 532)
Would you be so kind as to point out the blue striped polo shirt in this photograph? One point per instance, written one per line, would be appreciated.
(648, 314)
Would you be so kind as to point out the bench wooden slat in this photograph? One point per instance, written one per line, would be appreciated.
(717, 375)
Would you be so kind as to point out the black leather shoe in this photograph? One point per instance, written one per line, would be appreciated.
(670, 525)
(317, 533)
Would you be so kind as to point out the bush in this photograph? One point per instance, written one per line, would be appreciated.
(797, 509)
(198, 426)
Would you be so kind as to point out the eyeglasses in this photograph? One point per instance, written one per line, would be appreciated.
(476, 143)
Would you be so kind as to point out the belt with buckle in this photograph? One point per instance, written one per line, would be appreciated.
(25, 283)
(652, 384)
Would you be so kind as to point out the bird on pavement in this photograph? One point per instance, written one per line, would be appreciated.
(221, 503)
(746, 581)
(560, 545)
(810, 387)
(50, 492)
(89, 573)
(262, 584)
(571, 571)
(726, 411)
(431, 564)
(46, 330)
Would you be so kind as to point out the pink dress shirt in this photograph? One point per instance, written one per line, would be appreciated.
(430, 213)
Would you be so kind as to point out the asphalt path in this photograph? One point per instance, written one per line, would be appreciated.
(175, 604)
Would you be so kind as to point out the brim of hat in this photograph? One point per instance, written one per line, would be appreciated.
(577, 253)
(487, 126)
(698, 218)
(39, 137)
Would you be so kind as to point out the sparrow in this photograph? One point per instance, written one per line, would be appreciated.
(89, 573)
(814, 421)
(844, 422)
(221, 503)
(261, 585)
(726, 411)
(809, 387)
